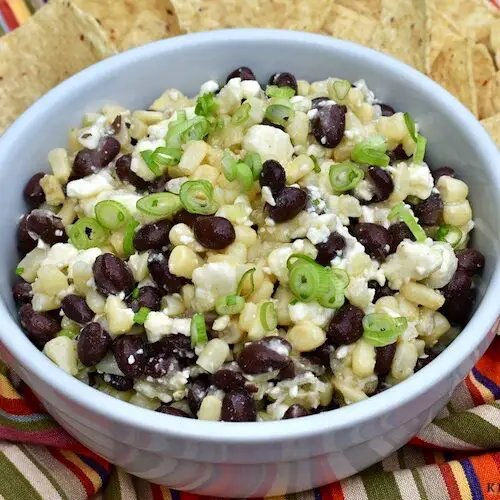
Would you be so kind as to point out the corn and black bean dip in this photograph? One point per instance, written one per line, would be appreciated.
(254, 253)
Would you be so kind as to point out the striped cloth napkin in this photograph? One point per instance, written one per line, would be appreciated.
(457, 457)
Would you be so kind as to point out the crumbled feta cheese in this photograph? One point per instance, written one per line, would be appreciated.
(358, 292)
(269, 142)
(90, 136)
(90, 185)
(277, 262)
(131, 360)
(312, 113)
(267, 196)
(174, 185)
(314, 202)
(221, 323)
(60, 255)
(364, 190)
(310, 311)
(159, 324)
(250, 88)
(342, 351)
(375, 214)
(412, 261)
(159, 130)
(320, 228)
(209, 86)
(421, 181)
(301, 103)
(442, 276)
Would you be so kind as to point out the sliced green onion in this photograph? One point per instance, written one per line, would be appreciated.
(135, 293)
(284, 92)
(147, 156)
(230, 304)
(338, 89)
(159, 204)
(410, 125)
(304, 281)
(68, 333)
(19, 270)
(197, 197)
(244, 175)
(341, 276)
(141, 315)
(381, 330)
(402, 212)
(180, 116)
(240, 116)
(206, 105)
(418, 156)
(334, 296)
(167, 156)
(128, 239)
(198, 330)
(246, 278)
(451, 234)
(268, 316)
(229, 165)
(111, 214)
(371, 152)
(279, 111)
(316, 168)
(254, 161)
(345, 176)
(189, 130)
(300, 258)
(86, 233)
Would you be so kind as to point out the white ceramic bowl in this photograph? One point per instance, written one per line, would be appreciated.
(250, 459)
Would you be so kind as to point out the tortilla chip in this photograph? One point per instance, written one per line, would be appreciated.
(495, 41)
(202, 15)
(369, 8)
(349, 25)
(489, 97)
(483, 66)
(441, 30)
(57, 42)
(119, 17)
(452, 69)
(473, 17)
(492, 126)
(402, 32)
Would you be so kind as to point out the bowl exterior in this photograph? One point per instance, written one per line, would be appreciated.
(250, 459)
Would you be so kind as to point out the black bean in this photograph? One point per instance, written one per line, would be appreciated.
(111, 275)
(284, 80)
(320, 355)
(177, 345)
(448, 171)
(129, 351)
(421, 362)
(185, 217)
(273, 176)
(330, 249)
(76, 309)
(383, 359)
(346, 326)
(148, 296)
(160, 272)
(399, 232)
(430, 211)
(93, 344)
(107, 150)
(375, 238)
(459, 299)
(460, 282)
(214, 232)
(159, 365)
(315, 103)
(380, 290)
(288, 372)
(238, 406)
(289, 203)
(46, 226)
(382, 184)
(40, 327)
(257, 357)
(470, 261)
(33, 192)
(22, 293)
(157, 185)
(328, 124)
(387, 110)
(121, 383)
(296, 411)
(25, 241)
(397, 154)
(227, 380)
(86, 162)
(381, 387)
(153, 236)
(196, 393)
(126, 174)
(243, 72)
(170, 410)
